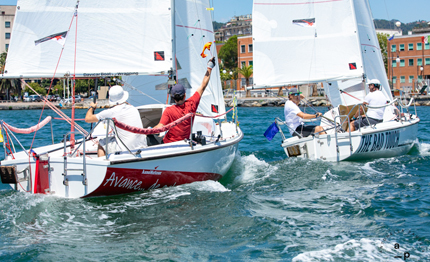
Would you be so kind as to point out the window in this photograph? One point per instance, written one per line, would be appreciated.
(410, 47)
(250, 63)
(6, 47)
(402, 47)
(7, 24)
(250, 48)
(243, 80)
(411, 62)
(393, 48)
(419, 46)
(394, 63)
(427, 46)
(411, 79)
(243, 64)
(394, 79)
(427, 61)
(402, 79)
(7, 35)
(420, 78)
(419, 61)
(242, 48)
(402, 62)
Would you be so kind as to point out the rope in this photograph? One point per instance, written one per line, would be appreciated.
(151, 131)
(30, 129)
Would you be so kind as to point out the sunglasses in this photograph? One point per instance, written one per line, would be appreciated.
(295, 94)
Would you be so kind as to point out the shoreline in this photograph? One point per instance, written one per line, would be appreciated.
(241, 102)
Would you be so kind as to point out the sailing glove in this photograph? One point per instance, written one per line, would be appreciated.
(211, 63)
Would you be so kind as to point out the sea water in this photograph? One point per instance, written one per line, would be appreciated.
(267, 208)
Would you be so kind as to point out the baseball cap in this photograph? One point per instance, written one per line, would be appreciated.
(177, 89)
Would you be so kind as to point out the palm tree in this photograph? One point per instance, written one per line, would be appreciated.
(246, 72)
(8, 85)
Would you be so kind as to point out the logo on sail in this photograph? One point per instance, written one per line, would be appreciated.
(352, 66)
(159, 55)
(59, 38)
(310, 22)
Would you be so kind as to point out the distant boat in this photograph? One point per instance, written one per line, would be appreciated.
(301, 42)
(118, 39)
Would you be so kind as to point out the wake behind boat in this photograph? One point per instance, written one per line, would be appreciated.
(142, 36)
(334, 42)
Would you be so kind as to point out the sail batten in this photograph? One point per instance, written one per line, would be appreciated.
(113, 38)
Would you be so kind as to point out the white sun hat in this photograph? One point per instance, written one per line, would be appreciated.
(374, 81)
(117, 95)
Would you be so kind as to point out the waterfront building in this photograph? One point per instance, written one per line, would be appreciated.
(409, 62)
(7, 15)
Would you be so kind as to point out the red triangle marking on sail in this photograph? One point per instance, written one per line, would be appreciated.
(215, 108)
(159, 56)
(352, 66)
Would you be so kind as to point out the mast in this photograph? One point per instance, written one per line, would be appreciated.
(173, 73)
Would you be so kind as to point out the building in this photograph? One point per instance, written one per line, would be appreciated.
(244, 58)
(7, 15)
(390, 32)
(408, 62)
(238, 25)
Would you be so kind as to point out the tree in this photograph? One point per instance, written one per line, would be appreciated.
(8, 85)
(36, 87)
(383, 39)
(246, 72)
(228, 53)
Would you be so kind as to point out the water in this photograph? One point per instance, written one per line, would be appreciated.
(267, 208)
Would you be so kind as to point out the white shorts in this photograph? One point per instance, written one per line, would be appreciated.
(112, 145)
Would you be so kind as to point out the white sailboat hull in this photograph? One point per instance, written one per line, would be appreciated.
(387, 139)
(157, 166)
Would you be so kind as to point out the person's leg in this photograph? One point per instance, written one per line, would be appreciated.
(352, 126)
(319, 129)
(100, 151)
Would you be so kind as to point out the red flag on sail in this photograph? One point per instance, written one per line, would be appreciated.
(352, 66)
(214, 108)
(59, 38)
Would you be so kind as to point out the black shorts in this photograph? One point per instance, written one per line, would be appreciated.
(366, 121)
(305, 131)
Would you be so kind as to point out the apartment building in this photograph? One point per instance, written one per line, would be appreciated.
(238, 25)
(7, 15)
(408, 61)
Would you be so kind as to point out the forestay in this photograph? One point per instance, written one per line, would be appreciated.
(300, 41)
(112, 38)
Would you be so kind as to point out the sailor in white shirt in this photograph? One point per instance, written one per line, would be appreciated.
(374, 115)
(294, 116)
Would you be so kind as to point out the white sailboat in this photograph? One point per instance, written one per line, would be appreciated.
(334, 42)
(117, 38)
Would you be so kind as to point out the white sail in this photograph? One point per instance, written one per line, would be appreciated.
(193, 30)
(112, 38)
(300, 41)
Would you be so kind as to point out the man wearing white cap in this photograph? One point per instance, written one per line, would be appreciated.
(123, 112)
(294, 116)
(374, 115)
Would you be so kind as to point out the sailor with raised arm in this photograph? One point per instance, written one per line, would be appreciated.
(374, 115)
(294, 116)
(183, 107)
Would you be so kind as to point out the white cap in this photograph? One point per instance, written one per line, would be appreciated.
(117, 95)
(374, 81)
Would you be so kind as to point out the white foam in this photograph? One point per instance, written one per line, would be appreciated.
(209, 186)
(250, 166)
(352, 250)
(424, 149)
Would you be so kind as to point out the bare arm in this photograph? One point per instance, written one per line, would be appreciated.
(308, 116)
(90, 117)
(158, 125)
(207, 77)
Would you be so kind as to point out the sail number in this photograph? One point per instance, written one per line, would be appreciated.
(379, 141)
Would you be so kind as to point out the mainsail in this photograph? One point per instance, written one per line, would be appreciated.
(331, 41)
(112, 38)
(193, 30)
(300, 42)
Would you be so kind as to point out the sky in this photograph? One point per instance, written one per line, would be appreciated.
(401, 10)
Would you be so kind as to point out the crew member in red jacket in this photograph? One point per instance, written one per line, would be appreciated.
(183, 107)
